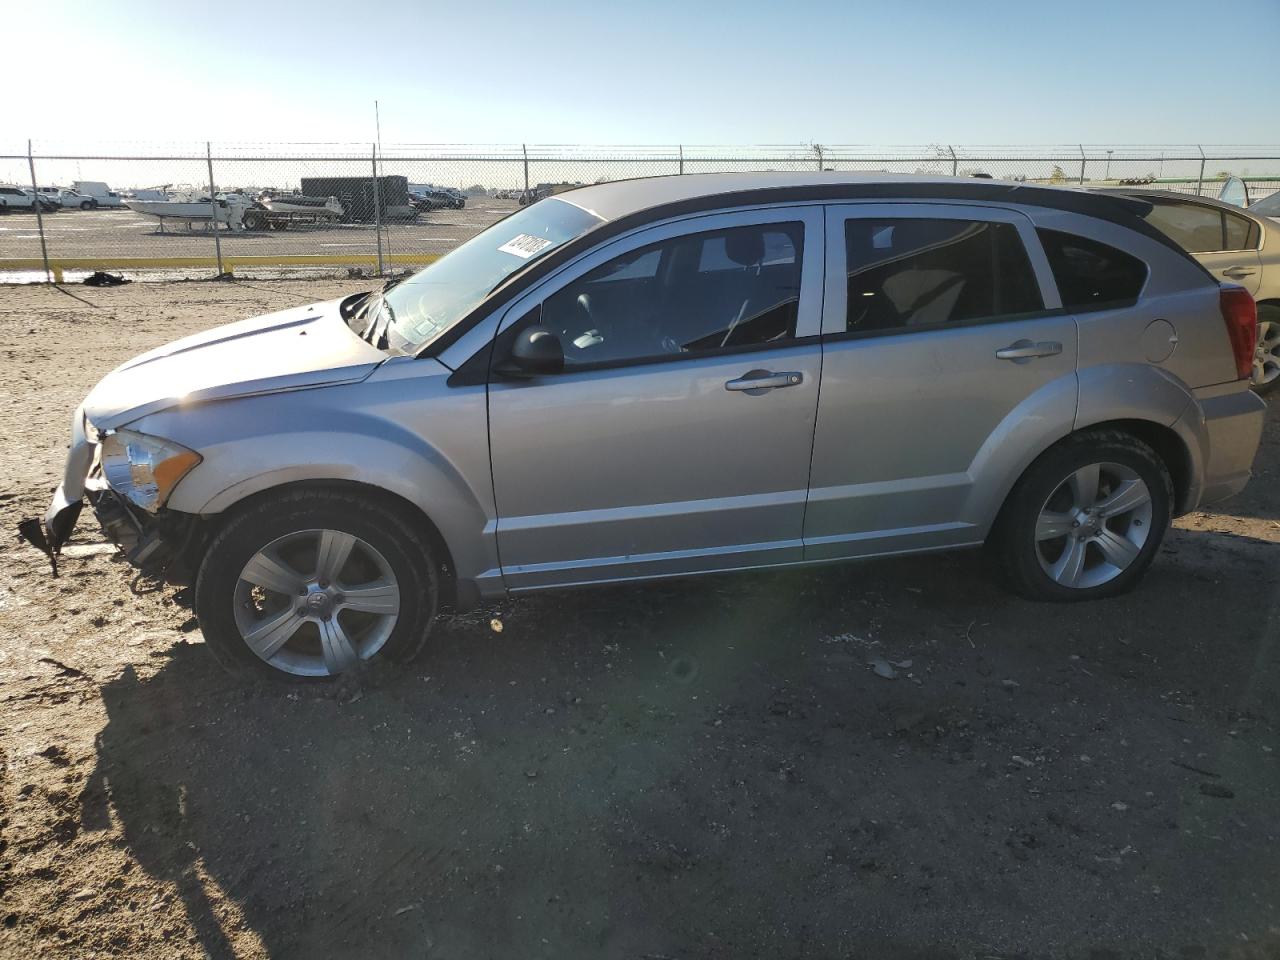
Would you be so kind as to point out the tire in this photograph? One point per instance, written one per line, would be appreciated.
(301, 640)
(1266, 367)
(86, 204)
(1047, 549)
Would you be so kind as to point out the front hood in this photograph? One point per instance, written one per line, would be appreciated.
(302, 347)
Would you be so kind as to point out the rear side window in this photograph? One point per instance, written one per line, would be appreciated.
(1239, 233)
(1198, 228)
(909, 274)
(1092, 275)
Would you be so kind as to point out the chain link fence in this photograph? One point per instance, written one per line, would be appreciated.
(188, 211)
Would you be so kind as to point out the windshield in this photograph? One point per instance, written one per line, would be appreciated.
(428, 303)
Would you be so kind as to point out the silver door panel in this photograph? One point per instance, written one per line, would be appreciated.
(658, 469)
(920, 434)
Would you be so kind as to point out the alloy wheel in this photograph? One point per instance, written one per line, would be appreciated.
(316, 602)
(1266, 356)
(1094, 525)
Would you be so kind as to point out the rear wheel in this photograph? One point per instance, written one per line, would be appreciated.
(313, 584)
(1266, 357)
(87, 204)
(1085, 520)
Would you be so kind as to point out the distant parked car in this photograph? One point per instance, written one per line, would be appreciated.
(22, 199)
(1236, 246)
(68, 199)
(438, 200)
(100, 193)
(680, 375)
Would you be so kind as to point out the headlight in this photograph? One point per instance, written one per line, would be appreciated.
(144, 469)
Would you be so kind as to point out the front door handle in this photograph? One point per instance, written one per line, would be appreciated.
(1236, 273)
(1029, 350)
(758, 381)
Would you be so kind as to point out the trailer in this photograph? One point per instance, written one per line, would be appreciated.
(259, 217)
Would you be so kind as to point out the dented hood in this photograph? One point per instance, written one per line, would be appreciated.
(302, 347)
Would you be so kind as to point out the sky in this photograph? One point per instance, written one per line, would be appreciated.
(651, 72)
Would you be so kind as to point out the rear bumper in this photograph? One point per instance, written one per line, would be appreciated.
(1232, 431)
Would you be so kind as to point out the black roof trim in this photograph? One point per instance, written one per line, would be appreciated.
(1123, 210)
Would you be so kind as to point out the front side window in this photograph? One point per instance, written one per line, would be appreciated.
(910, 273)
(718, 290)
(1092, 275)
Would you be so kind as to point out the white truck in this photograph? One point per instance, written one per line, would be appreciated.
(98, 193)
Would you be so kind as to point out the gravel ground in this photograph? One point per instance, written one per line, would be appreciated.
(702, 769)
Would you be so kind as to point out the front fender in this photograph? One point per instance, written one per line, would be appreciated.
(411, 438)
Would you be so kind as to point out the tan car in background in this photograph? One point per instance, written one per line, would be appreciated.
(1237, 246)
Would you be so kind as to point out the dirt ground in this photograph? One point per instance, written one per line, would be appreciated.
(704, 769)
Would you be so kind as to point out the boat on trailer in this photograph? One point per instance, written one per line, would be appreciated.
(281, 211)
(226, 209)
(327, 208)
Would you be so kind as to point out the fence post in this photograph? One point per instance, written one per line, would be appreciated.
(681, 149)
(377, 207)
(1081, 146)
(524, 149)
(1200, 179)
(817, 148)
(955, 164)
(35, 201)
(213, 209)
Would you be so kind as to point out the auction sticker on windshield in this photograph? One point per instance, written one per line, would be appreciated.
(525, 245)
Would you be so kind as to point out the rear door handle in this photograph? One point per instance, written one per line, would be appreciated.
(1029, 350)
(1236, 272)
(762, 380)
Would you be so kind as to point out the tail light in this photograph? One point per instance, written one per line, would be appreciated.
(1240, 314)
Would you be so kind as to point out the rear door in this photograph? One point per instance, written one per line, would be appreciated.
(941, 337)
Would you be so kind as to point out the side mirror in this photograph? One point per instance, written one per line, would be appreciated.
(536, 352)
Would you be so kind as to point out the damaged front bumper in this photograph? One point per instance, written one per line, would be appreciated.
(159, 544)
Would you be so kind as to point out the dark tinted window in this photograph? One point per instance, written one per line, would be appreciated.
(1239, 230)
(1192, 226)
(704, 291)
(922, 273)
(1092, 275)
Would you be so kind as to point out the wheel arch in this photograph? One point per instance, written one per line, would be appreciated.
(412, 513)
(1168, 444)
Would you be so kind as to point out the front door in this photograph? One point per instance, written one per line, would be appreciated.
(677, 439)
(941, 341)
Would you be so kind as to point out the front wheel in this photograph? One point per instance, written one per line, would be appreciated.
(1266, 357)
(1085, 520)
(312, 584)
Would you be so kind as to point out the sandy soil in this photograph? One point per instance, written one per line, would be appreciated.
(701, 769)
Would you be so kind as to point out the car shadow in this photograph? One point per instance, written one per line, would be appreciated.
(712, 768)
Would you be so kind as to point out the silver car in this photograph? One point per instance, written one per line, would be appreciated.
(673, 376)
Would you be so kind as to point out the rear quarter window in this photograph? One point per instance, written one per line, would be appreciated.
(1092, 275)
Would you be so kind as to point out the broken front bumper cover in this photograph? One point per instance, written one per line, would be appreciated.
(149, 542)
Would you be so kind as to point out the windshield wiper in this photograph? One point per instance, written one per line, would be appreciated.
(374, 308)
